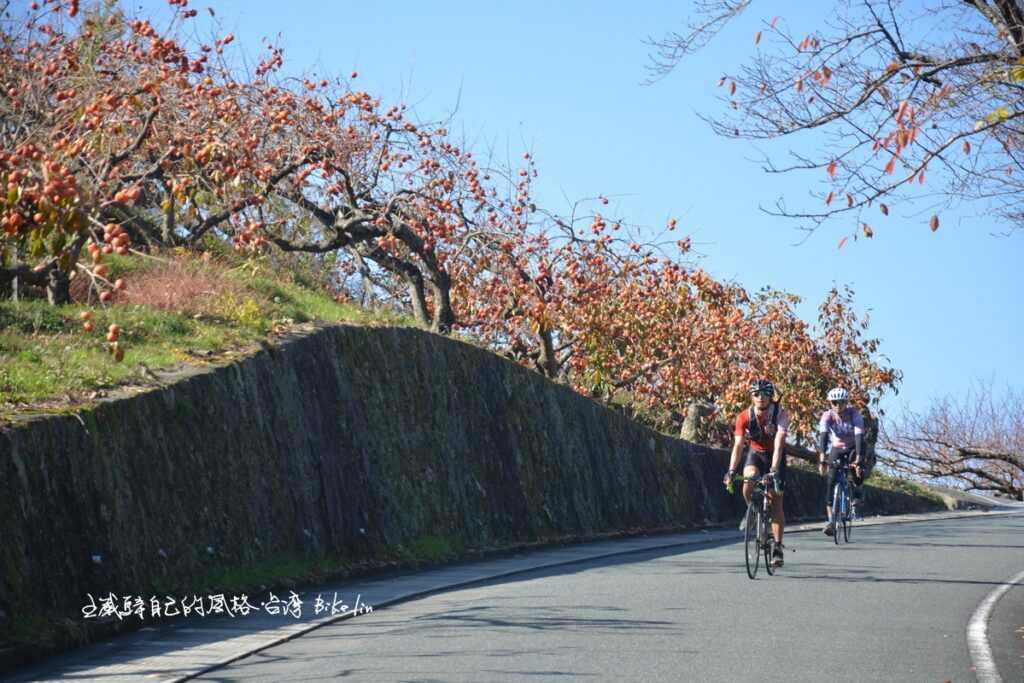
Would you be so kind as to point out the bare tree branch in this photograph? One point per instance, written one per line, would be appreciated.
(975, 442)
(888, 90)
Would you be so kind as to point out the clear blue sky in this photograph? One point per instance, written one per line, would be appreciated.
(564, 81)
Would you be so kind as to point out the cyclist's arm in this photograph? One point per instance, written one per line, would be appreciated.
(858, 437)
(823, 437)
(737, 449)
(780, 442)
(739, 436)
(858, 448)
(822, 445)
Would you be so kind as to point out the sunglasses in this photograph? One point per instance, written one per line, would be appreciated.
(762, 393)
(837, 403)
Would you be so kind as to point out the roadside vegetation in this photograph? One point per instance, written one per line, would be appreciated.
(182, 308)
(275, 197)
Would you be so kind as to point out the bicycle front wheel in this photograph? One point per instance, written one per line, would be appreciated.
(750, 541)
(837, 513)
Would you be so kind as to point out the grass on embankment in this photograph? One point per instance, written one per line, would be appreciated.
(889, 483)
(178, 309)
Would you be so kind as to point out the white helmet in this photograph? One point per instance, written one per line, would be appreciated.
(838, 394)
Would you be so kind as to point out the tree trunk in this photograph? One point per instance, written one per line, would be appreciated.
(444, 316)
(167, 233)
(58, 289)
(417, 296)
(696, 424)
(548, 362)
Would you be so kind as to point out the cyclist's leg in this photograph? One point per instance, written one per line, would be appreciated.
(855, 486)
(778, 515)
(854, 483)
(858, 491)
(776, 499)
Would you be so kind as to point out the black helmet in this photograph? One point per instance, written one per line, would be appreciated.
(761, 386)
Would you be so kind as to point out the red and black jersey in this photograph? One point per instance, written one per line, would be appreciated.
(762, 437)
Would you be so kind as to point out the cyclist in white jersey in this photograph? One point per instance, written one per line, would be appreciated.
(840, 435)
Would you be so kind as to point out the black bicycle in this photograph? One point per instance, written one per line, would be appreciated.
(758, 539)
(841, 514)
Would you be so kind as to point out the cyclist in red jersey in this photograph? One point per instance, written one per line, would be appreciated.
(763, 426)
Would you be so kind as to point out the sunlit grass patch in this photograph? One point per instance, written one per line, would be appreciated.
(177, 308)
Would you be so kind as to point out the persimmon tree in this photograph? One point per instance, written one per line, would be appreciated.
(893, 100)
(633, 324)
(169, 144)
(46, 210)
(399, 202)
(117, 134)
(546, 272)
(975, 441)
(674, 340)
(108, 124)
(388, 191)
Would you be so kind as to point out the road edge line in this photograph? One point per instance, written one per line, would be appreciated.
(985, 669)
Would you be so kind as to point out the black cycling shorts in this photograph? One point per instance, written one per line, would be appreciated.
(763, 462)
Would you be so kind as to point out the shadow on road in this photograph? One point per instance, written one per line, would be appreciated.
(863, 575)
(947, 545)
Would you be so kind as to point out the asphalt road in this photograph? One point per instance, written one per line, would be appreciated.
(891, 606)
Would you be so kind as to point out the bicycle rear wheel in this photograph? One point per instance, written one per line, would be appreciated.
(750, 542)
(837, 514)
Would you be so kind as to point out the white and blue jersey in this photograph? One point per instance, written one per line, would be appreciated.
(842, 426)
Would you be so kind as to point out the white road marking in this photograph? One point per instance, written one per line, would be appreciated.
(977, 634)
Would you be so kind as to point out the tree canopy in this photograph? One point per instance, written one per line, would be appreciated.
(117, 136)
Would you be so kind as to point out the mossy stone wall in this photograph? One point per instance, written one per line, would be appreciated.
(338, 442)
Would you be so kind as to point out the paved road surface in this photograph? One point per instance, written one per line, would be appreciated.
(891, 606)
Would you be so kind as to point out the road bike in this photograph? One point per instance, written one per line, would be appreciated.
(758, 539)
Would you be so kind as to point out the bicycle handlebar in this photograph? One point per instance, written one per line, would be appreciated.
(755, 480)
